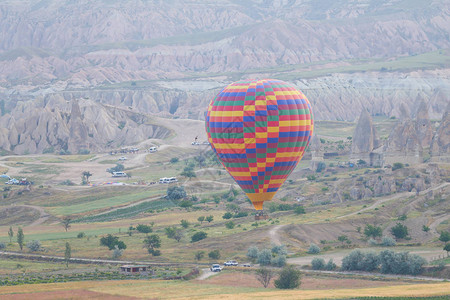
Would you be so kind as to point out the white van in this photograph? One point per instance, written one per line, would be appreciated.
(119, 174)
(163, 180)
(152, 149)
(172, 180)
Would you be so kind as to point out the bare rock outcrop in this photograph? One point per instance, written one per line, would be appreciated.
(403, 144)
(54, 125)
(423, 125)
(440, 145)
(365, 141)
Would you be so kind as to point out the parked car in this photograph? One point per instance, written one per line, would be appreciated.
(122, 158)
(231, 263)
(119, 174)
(247, 265)
(152, 149)
(215, 268)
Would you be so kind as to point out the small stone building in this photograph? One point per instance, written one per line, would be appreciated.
(135, 269)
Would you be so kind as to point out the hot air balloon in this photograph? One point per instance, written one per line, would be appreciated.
(259, 130)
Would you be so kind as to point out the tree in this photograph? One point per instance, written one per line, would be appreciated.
(2, 245)
(372, 231)
(144, 228)
(252, 253)
(34, 245)
(278, 261)
(445, 236)
(198, 236)
(176, 193)
(400, 231)
(289, 278)
(111, 241)
(209, 219)
(330, 266)
(10, 233)
(360, 261)
(397, 166)
(66, 222)
(67, 254)
(425, 228)
(152, 243)
(313, 249)
(117, 252)
(447, 248)
(178, 235)
(215, 254)
(117, 168)
(227, 215)
(184, 223)
(265, 257)
(387, 241)
(188, 172)
(199, 255)
(264, 276)
(318, 263)
(343, 239)
(170, 232)
(85, 177)
(20, 238)
(201, 219)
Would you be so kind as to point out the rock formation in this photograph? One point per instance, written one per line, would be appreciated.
(440, 145)
(365, 141)
(54, 125)
(423, 125)
(316, 152)
(403, 144)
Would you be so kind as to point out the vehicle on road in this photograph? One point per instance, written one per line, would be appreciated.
(122, 158)
(247, 265)
(215, 268)
(119, 174)
(231, 263)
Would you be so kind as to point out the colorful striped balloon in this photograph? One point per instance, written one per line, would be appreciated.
(260, 130)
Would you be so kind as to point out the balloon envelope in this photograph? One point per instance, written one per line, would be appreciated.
(259, 130)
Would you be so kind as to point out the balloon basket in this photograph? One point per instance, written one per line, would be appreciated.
(261, 215)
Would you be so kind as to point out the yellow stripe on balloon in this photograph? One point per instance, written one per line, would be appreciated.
(295, 123)
(240, 174)
(288, 154)
(219, 113)
(229, 146)
(273, 129)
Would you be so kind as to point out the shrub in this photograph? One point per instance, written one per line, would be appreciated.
(289, 278)
(144, 228)
(2, 245)
(117, 252)
(252, 252)
(280, 250)
(278, 261)
(174, 160)
(198, 236)
(330, 266)
(34, 245)
(299, 210)
(387, 241)
(400, 262)
(397, 166)
(444, 236)
(229, 224)
(360, 261)
(186, 203)
(318, 263)
(184, 223)
(372, 242)
(372, 231)
(240, 214)
(313, 249)
(176, 193)
(81, 235)
(400, 231)
(265, 257)
(215, 254)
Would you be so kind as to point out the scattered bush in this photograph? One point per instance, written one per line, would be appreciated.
(117, 252)
(176, 193)
(318, 263)
(397, 166)
(227, 215)
(198, 236)
(34, 245)
(184, 223)
(265, 257)
(387, 241)
(240, 214)
(330, 266)
(215, 254)
(229, 224)
(279, 250)
(401, 262)
(2, 245)
(252, 253)
(299, 210)
(444, 236)
(289, 278)
(142, 228)
(278, 261)
(372, 242)
(111, 241)
(313, 249)
(81, 235)
(372, 231)
(360, 261)
(400, 231)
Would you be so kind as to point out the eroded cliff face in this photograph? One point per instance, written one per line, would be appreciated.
(440, 145)
(36, 127)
